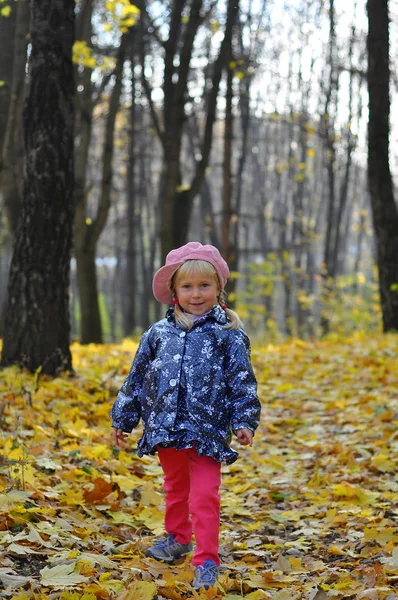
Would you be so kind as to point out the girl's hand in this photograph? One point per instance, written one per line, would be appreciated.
(245, 436)
(119, 437)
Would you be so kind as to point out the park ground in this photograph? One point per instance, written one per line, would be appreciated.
(310, 512)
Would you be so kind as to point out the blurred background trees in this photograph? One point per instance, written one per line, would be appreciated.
(237, 123)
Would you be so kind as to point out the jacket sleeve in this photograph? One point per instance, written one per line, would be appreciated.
(244, 404)
(126, 411)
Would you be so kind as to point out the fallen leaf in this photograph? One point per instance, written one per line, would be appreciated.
(61, 576)
(140, 590)
(101, 490)
(13, 581)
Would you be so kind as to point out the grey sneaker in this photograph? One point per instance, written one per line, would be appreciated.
(205, 576)
(169, 549)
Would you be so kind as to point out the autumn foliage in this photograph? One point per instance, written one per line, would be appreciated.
(310, 512)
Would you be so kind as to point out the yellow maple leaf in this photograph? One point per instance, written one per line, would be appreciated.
(111, 585)
(366, 496)
(296, 564)
(140, 590)
(86, 568)
(121, 517)
(152, 518)
(258, 595)
(384, 536)
(98, 451)
(383, 463)
(351, 492)
(61, 576)
(127, 482)
(335, 550)
(150, 497)
(72, 497)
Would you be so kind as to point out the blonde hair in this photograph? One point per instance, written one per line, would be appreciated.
(204, 268)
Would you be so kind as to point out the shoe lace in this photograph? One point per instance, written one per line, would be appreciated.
(208, 573)
(166, 542)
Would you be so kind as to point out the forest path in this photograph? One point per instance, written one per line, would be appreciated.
(309, 512)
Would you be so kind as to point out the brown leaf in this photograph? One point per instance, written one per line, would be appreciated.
(101, 490)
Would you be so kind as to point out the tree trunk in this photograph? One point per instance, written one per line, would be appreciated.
(384, 210)
(36, 330)
(358, 250)
(328, 125)
(87, 233)
(90, 320)
(330, 146)
(7, 42)
(227, 167)
(244, 106)
(172, 222)
(12, 144)
(129, 320)
(84, 109)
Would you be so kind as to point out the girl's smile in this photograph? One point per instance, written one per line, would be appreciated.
(197, 294)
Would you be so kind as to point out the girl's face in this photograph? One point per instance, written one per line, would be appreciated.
(196, 293)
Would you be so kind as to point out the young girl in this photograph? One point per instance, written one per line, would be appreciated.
(191, 382)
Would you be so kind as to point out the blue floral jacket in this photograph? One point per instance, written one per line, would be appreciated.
(190, 387)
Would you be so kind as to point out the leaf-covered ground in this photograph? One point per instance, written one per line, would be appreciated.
(310, 512)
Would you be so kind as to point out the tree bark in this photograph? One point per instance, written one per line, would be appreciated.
(330, 146)
(36, 330)
(328, 125)
(7, 41)
(87, 232)
(129, 320)
(90, 322)
(384, 209)
(227, 167)
(244, 106)
(12, 144)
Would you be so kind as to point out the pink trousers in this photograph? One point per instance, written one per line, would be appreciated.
(191, 483)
